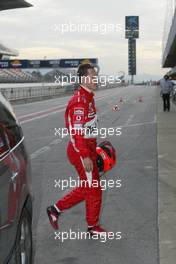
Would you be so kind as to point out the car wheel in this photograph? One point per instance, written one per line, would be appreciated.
(23, 248)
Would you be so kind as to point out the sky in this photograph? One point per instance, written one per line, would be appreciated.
(36, 33)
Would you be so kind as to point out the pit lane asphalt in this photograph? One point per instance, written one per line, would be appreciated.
(131, 209)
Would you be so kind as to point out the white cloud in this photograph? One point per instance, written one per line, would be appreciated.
(31, 31)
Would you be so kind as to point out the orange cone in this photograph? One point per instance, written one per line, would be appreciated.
(140, 100)
(121, 100)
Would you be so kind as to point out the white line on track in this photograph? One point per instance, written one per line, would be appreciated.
(39, 152)
(47, 114)
(44, 149)
(40, 112)
(161, 156)
(129, 120)
(40, 117)
(139, 124)
(148, 167)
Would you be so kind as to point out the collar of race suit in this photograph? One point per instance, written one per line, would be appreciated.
(86, 91)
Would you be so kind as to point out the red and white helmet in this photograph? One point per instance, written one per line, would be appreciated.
(106, 159)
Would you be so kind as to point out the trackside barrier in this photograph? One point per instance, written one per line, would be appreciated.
(40, 92)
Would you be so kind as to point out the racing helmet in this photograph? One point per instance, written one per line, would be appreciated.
(106, 156)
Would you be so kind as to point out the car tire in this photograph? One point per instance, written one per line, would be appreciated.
(23, 247)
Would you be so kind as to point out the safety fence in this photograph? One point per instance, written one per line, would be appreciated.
(25, 92)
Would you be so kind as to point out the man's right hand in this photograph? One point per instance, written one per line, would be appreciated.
(88, 164)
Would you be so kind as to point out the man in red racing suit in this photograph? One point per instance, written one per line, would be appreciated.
(81, 121)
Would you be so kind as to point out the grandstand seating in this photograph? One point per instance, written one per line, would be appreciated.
(16, 76)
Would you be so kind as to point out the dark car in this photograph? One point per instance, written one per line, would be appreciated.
(15, 193)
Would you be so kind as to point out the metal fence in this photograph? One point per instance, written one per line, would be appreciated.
(14, 92)
(18, 93)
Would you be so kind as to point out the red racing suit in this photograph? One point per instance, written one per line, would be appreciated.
(81, 121)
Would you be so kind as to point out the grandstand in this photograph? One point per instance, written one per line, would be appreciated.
(16, 76)
(12, 75)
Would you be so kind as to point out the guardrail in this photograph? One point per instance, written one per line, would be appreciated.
(29, 92)
(15, 93)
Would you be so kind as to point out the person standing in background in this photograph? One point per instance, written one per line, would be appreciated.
(166, 87)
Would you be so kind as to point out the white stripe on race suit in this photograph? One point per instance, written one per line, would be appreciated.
(90, 127)
(88, 174)
(71, 138)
